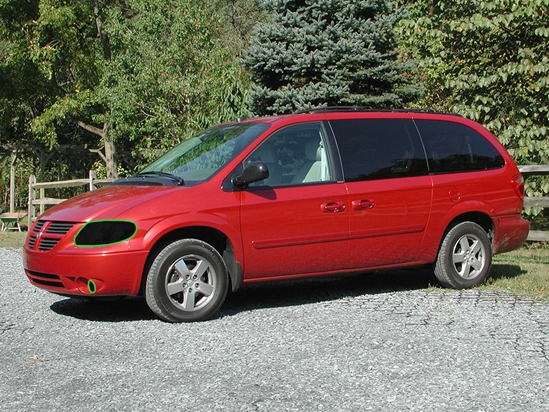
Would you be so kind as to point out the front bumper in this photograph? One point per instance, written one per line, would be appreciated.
(88, 274)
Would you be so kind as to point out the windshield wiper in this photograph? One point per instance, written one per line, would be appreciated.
(177, 179)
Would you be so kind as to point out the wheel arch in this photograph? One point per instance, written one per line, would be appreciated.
(480, 218)
(214, 237)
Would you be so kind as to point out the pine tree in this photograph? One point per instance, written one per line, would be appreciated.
(317, 53)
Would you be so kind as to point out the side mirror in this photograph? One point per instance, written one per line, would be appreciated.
(253, 172)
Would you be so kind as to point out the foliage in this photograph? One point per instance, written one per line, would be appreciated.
(63, 44)
(489, 61)
(169, 75)
(236, 20)
(172, 70)
(327, 52)
(101, 170)
(20, 94)
(153, 71)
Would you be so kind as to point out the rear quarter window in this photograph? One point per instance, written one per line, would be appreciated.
(373, 149)
(454, 147)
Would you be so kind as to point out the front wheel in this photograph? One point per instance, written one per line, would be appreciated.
(187, 282)
(465, 257)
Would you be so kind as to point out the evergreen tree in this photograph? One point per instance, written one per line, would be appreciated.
(327, 52)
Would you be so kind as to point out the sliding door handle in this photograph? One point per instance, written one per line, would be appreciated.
(363, 204)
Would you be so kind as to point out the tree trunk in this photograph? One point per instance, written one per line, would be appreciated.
(110, 154)
(110, 151)
(105, 43)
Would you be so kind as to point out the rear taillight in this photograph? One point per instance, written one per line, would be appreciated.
(518, 185)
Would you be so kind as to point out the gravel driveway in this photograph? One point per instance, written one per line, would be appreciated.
(348, 344)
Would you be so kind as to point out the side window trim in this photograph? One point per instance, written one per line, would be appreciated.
(333, 151)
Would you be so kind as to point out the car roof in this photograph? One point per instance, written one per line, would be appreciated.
(351, 112)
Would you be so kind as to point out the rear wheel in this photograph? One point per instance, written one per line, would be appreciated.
(465, 257)
(187, 282)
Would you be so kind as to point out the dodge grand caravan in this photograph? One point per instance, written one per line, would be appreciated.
(330, 191)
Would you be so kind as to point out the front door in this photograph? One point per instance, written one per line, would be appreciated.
(296, 221)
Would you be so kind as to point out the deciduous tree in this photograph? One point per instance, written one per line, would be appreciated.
(489, 61)
(170, 75)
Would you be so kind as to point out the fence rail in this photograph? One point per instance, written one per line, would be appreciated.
(41, 200)
(536, 170)
(93, 182)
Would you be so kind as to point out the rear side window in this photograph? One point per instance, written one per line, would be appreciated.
(373, 149)
(454, 147)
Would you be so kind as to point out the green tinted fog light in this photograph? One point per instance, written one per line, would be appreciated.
(105, 232)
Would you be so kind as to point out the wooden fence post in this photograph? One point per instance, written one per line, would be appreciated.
(93, 176)
(536, 170)
(32, 196)
(12, 181)
(42, 196)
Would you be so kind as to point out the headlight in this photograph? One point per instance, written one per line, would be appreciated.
(105, 232)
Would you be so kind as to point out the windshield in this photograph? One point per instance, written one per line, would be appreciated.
(200, 157)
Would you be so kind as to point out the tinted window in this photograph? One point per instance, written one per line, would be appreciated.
(379, 149)
(453, 147)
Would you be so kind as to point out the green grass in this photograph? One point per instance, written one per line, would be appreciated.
(12, 239)
(523, 271)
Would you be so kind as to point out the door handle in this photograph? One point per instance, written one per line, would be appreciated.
(333, 207)
(363, 204)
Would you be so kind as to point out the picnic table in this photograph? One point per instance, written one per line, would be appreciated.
(10, 221)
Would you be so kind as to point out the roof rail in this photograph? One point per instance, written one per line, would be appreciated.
(325, 109)
(356, 108)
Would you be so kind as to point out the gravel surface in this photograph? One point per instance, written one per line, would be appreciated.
(347, 344)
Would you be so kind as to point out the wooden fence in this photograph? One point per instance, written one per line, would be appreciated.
(527, 171)
(39, 188)
(93, 182)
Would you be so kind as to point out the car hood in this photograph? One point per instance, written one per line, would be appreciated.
(106, 203)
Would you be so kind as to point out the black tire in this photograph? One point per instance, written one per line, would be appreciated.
(465, 257)
(187, 282)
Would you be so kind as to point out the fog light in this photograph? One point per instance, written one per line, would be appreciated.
(92, 287)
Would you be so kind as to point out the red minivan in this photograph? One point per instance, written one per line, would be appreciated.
(330, 191)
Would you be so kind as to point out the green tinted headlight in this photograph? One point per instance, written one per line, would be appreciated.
(105, 232)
